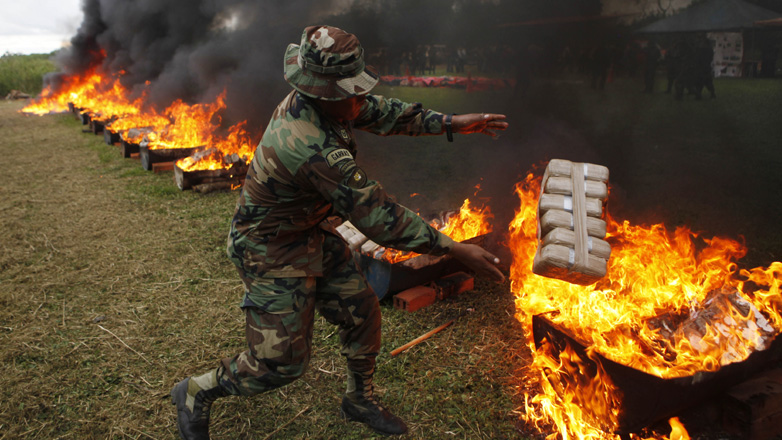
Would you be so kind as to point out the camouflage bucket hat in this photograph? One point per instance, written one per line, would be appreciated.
(328, 65)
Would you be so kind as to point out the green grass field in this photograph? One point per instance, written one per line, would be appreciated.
(114, 285)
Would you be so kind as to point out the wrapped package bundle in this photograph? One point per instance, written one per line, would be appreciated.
(571, 231)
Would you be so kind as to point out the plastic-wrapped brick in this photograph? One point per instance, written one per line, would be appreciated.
(570, 224)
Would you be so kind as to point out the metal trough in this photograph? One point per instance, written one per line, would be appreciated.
(151, 156)
(644, 399)
(387, 279)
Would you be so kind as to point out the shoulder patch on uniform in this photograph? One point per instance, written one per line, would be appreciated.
(337, 156)
(357, 179)
(346, 166)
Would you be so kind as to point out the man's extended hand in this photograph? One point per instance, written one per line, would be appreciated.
(486, 123)
(479, 260)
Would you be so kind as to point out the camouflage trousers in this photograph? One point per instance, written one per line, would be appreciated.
(280, 342)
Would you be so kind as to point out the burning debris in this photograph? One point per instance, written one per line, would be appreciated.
(602, 397)
(723, 319)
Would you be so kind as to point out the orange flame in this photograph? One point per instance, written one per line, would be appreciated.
(652, 272)
(468, 223)
(72, 89)
(677, 430)
(237, 141)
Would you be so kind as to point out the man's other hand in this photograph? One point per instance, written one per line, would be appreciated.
(479, 260)
(485, 123)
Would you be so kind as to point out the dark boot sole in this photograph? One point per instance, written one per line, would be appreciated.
(347, 417)
(351, 418)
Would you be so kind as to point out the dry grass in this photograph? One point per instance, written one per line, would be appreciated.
(114, 286)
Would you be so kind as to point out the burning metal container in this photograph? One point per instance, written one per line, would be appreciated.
(389, 278)
(623, 400)
(232, 170)
(130, 140)
(75, 110)
(672, 323)
(85, 117)
(389, 272)
(109, 136)
(96, 125)
(150, 156)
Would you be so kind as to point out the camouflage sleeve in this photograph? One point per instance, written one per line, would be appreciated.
(335, 175)
(385, 117)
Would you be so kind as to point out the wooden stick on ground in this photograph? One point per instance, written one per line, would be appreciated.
(271, 434)
(421, 338)
(123, 343)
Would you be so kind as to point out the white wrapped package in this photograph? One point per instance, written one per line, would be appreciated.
(563, 185)
(594, 207)
(353, 236)
(555, 218)
(560, 167)
(566, 237)
(556, 260)
(570, 227)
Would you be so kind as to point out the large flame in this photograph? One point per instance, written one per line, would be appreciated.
(73, 88)
(653, 273)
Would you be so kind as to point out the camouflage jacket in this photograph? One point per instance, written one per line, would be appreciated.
(304, 171)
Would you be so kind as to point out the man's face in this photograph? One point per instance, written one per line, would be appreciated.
(344, 109)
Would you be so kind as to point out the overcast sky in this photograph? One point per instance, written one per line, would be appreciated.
(37, 26)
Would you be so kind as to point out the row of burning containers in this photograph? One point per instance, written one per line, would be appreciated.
(227, 170)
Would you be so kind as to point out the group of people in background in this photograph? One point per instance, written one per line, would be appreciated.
(688, 65)
(687, 62)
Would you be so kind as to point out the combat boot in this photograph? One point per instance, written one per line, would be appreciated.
(193, 398)
(360, 405)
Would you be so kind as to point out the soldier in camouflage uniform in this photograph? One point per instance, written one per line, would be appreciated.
(291, 261)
